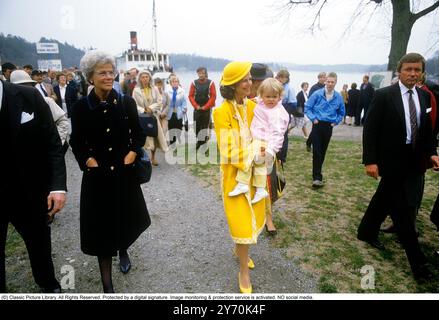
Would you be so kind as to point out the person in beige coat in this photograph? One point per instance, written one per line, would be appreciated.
(149, 100)
(165, 103)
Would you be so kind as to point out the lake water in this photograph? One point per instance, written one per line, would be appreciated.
(296, 78)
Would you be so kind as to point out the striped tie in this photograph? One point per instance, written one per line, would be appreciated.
(413, 118)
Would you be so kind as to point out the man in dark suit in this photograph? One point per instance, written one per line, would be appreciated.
(66, 95)
(33, 178)
(366, 95)
(398, 145)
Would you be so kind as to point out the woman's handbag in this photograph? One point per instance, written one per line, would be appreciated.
(143, 167)
(148, 123)
(142, 164)
(276, 181)
(298, 112)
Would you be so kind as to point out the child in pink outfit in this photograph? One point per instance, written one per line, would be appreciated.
(268, 127)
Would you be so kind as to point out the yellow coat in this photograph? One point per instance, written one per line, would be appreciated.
(245, 220)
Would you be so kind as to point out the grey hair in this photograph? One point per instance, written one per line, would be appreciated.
(93, 58)
(150, 78)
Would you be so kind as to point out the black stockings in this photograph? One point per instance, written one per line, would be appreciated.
(105, 268)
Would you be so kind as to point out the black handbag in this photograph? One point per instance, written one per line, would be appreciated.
(148, 123)
(276, 181)
(298, 112)
(143, 166)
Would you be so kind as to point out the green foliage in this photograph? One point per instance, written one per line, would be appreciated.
(20, 52)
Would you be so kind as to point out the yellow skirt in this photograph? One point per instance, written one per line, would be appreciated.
(246, 221)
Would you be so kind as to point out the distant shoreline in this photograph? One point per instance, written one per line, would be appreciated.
(308, 68)
(188, 62)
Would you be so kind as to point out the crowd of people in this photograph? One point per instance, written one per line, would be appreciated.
(96, 111)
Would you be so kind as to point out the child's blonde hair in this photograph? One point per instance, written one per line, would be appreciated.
(272, 85)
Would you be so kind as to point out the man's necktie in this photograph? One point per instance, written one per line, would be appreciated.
(413, 118)
(174, 98)
(44, 91)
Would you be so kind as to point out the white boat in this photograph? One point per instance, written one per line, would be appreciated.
(143, 59)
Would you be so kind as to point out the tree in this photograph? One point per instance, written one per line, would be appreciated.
(403, 19)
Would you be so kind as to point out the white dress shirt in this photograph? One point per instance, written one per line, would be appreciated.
(38, 86)
(62, 91)
(405, 100)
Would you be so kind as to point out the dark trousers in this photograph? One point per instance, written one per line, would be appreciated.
(36, 235)
(400, 196)
(175, 126)
(282, 154)
(309, 140)
(322, 133)
(201, 122)
(358, 119)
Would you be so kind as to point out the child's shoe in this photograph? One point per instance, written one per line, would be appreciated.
(240, 188)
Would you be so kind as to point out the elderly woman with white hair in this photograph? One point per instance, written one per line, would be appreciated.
(106, 138)
(149, 101)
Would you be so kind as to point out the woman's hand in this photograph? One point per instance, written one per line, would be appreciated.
(129, 158)
(163, 115)
(148, 110)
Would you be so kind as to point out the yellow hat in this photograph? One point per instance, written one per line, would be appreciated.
(234, 72)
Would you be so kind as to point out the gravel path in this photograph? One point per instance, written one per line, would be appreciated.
(187, 248)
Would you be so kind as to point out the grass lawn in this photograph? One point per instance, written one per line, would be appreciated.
(317, 228)
(17, 264)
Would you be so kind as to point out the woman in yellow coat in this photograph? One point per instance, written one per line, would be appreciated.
(232, 121)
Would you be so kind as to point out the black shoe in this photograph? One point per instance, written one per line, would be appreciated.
(374, 243)
(124, 264)
(271, 233)
(422, 273)
(389, 229)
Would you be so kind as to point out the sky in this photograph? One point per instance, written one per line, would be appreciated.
(251, 30)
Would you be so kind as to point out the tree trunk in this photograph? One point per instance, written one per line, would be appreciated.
(402, 24)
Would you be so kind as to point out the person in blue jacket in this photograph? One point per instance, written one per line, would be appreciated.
(325, 109)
